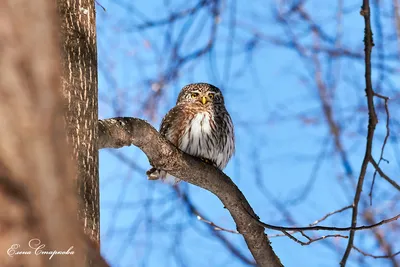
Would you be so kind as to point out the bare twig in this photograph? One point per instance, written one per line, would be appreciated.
(100, 5)
(375, 256)
(172, 17)
(311, 240)
(383, 175)
(330, 214)
(216, 227)
(314, 223)
(386, 99)
(328, 228)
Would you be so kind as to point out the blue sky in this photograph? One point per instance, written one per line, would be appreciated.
(283, 144)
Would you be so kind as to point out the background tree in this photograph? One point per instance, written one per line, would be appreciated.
(79, 84)
(36, 191)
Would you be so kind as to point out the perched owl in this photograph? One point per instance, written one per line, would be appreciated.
(199, 125)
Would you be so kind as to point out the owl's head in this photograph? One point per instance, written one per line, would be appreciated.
(201, 94)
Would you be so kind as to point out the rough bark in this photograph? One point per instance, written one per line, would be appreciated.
(37, 197)
(118, 132)
(79, 84)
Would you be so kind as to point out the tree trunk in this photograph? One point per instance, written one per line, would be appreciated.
(79, 83)
(37, 199)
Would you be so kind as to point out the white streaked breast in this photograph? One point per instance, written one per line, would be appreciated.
(194, 141)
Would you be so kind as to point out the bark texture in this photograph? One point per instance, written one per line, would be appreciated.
(123, 131)
(37, 197)
(79, 84)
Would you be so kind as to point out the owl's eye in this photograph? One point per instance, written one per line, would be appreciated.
(211, 95)
(195, 95)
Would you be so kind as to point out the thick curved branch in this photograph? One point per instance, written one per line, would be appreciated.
(125, 131)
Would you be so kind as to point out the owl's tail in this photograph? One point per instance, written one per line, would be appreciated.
(155, 174)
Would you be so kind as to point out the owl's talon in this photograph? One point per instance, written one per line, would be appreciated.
(206, 160)
(209, 162)
(154, 174)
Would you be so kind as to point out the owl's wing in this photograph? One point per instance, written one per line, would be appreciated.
(169, 120)
(169, 128)
(172, 123)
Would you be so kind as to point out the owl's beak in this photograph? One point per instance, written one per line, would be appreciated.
(203, 100)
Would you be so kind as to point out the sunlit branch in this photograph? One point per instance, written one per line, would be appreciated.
(124, 131)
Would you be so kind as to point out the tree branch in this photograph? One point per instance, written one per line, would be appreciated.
(124, 131)
(376, 256)
(310, 240)
(368, 44)
(383, 175)
(328, 228)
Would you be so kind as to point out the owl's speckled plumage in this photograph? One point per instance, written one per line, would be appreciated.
(199, 125)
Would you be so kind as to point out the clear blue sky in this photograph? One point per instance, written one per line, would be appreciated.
(281, 135)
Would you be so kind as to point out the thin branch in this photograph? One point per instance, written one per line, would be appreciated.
(374, 256)
(124, 131)
(216, 227)
(330, 214)
(328, 228)
(311, 240)
(386, 99)
(173, 17)
(383, 175)
(368, 44)
(100, 5)
(316, 222)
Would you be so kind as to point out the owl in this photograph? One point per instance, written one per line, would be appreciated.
(199, 125)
